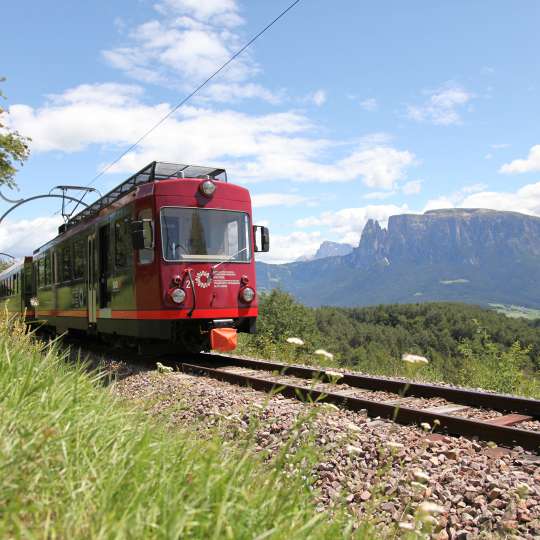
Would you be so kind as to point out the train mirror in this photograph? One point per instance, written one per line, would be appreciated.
(262, 238)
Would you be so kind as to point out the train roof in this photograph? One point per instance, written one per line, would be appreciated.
(153, 172)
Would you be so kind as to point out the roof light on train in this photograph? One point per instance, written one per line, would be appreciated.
(207, 188)
(247, 294)
(178, 295)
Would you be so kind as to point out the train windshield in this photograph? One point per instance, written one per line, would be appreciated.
(198, 234)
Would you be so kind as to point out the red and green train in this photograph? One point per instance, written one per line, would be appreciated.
(166, 258)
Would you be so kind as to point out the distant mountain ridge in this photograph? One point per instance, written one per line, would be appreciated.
(329, 249)
(470, 255)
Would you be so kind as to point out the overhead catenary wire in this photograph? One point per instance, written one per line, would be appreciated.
(188, 97)
(194, 92)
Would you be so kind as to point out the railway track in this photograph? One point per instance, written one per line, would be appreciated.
(454, 411)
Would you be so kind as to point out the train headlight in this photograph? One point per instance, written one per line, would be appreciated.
(247, 294)
(207, 188)
(178, 296)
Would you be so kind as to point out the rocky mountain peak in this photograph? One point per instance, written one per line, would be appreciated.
(332, 249)
(466, 235)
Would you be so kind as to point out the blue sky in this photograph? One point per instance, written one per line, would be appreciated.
(342, 112)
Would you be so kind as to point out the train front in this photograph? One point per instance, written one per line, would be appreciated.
(206, 244)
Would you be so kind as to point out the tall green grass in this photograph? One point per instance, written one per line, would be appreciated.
(76, 463)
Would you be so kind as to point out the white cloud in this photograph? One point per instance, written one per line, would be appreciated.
(286, 248)
(438, 203)
(87, 114)
(263, 200)
(412, 188)
(474, 188)
(525, 200)
(380, 166)
(232, 92)
(223, 12)
(379, 195)
(319, 97)
(265, 147)
(500, 146)
(348, 223)
(184, 45)
(530, 164)
(442, 106)
(20, 238)
(369, 104)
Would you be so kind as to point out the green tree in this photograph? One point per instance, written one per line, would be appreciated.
(14, 149)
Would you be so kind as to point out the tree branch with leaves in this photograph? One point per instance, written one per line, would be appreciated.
(14, 148)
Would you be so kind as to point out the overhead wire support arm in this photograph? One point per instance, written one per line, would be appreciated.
(64, 189)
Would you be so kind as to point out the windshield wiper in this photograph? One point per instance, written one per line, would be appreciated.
(229, 259)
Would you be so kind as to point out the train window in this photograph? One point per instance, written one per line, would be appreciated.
(205, 234)
(65, 269)
(56, 269)
(39, 272)
(146, 256)
(122, 244)
(78, 259)
(47, 270)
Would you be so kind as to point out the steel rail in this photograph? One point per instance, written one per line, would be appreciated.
(462, 396)
(454, 425)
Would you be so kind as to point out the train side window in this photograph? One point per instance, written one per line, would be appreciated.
(122, 246)
(146, 256)
(65, 273)
(39, 272)
(78, 259)
(47, 270)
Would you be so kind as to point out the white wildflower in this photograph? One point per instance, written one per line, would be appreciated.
(428, 507)
(406, 526)
(330, 407)
(354, 450)
(430, 519)
(326, 354)
(394, 445)
(425, 426)
(414, 359)
(295, 341)
(420, 476)
(163, 369)
(334, 376)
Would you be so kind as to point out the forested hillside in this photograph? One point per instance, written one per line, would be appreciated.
(464, 344)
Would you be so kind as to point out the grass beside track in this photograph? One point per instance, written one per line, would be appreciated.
(77, 463)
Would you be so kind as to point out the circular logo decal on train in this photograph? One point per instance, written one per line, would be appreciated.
(203, 279)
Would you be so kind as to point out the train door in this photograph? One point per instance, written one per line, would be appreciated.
(91, 279)
(104, 258)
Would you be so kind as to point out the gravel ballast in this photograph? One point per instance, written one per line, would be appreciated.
(379, 469)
